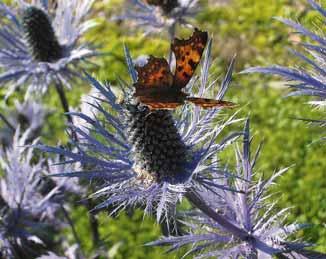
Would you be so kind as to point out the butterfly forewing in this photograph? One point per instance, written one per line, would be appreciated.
(154, 85)
(188, 54)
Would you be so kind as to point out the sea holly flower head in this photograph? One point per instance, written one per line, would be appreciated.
(40, 43)
(260, 232)
(148, 158)
(155, 16)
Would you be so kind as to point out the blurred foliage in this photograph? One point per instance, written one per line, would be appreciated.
(245, 27)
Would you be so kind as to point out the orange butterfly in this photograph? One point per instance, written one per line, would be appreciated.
(158, 88)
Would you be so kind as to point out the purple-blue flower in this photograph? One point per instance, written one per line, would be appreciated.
(157, 16)
(26, 207)
(149, 158)
(40, 44)
(29, 202)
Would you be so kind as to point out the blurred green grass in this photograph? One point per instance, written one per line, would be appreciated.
(245, 27)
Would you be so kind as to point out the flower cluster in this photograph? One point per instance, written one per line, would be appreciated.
(26, 205)
(30, 202)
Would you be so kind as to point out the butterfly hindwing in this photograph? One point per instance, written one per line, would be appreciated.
(210, 103)
(156, 104)
(188, 54)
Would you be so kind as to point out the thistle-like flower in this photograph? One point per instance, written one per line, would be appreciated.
(155, 15)
(305, 82)
(39, 43)
(254, 229)
(26, 204)
(149, 158)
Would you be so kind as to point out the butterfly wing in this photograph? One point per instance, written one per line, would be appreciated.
(188, 54)
(154, 85)
(155, 104)
(154, 74)
(210, 103)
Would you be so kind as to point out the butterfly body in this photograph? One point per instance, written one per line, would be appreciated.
(158, 88)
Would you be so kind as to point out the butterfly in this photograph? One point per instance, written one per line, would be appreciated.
(158, 88)
(166, 5)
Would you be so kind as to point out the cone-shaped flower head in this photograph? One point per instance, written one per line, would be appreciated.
(310, 82)
(155, 16)
(255, 231)
(39, 43)
(148, 157)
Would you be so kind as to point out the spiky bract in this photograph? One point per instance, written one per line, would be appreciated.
(253, 231)
(26, 207)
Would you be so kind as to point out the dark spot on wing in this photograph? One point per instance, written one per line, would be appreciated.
(192, 64)
(185, 75)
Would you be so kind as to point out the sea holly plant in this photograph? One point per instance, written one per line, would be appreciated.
(255, 230)
(154, 16)
(40, 45)
(31, 204)
(310, 78)
(26, 208)
(149, 158)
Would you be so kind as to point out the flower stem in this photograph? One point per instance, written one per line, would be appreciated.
(93, 222)
(65, 106)
(199, 203)
(72, 226)
(4, 119)
(64, 101)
